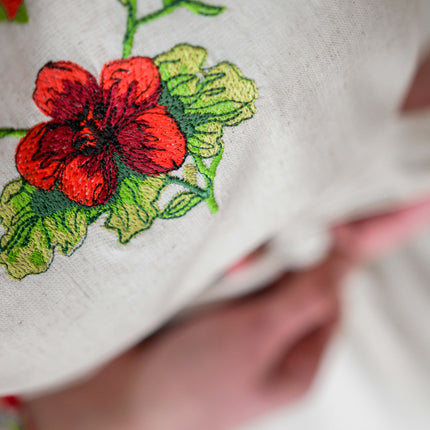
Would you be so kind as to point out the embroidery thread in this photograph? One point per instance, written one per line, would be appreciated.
(169, 6)
(112, 146)
(13, 10)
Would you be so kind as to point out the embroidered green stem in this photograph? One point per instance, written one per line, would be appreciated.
(12, 132)
(133, 23)
(211, 202)
(131, 27)
(196, 190)
(158, 14)
(209, 174)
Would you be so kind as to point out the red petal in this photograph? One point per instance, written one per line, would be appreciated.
(65, 90)
(90, 180)
(153, 143)
(11, 7)
(40, 154)
(129, 86)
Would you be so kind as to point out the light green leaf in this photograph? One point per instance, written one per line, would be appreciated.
(221, 93)
(203, 101)
(27, 246)
(200, 8)
(190, 174)
(225, 95)
(196, 7)
(135, 207)
(179, 68)
(26, 249)
(67, 229)
(206, 141)
(180, 205)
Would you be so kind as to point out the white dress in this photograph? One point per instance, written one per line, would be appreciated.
(323, 141)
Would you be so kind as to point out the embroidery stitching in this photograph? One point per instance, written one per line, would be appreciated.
(14, 11)
(169, 6)
(113, 146)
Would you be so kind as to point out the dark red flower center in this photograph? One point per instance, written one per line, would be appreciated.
(91, 134)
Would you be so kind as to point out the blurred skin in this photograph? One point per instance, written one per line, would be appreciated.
(220, 368)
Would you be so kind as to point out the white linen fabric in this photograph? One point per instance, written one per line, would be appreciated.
(326, 143)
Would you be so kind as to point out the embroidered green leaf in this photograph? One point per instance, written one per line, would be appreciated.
(52, 203)
(206, 139)
(190, 174)
(225, 95)
(27, 246)
(203, 137)
(222, 92)
(196, 7)
(200, 8)
(203, 101)
(180, 205)
(67, 229)
(179, 67)
(48, 203)
(135, 208)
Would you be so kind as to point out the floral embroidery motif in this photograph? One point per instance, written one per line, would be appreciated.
(113, 146)
(93, 126)
(13, 10)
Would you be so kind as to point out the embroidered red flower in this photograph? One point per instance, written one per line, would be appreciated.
(95, 125)
(11, 7)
